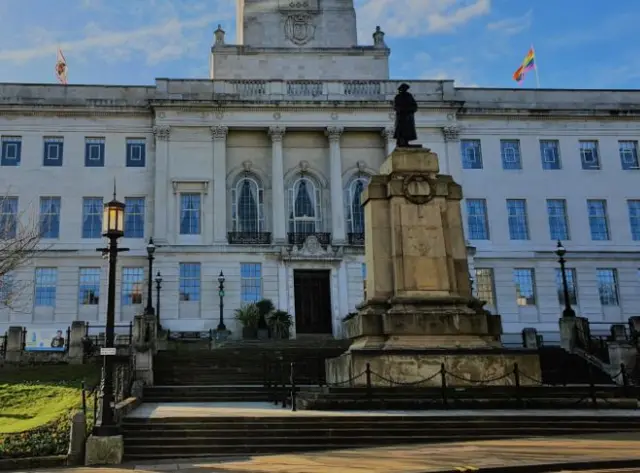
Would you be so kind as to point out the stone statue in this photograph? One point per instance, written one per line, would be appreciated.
(378, 38)
(406, 107)
(219, 35)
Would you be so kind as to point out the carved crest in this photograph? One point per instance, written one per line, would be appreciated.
(299, 29)
(417, 189)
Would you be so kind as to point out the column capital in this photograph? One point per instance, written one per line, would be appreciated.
(388, 132)
(219, 132)
(334, 132)
(276, 133)
(451, 132)
(162, 133)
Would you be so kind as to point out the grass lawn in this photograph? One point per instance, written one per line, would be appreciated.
(33, 396)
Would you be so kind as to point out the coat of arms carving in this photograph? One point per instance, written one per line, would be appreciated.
(299, 29)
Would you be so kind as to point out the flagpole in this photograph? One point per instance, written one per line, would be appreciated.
(535, 66)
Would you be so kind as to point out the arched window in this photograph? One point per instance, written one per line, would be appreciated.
(355, 211)
(247, 205)
(305, 209)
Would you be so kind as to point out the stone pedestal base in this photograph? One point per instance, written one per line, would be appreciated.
(495, 366)
(104, 450)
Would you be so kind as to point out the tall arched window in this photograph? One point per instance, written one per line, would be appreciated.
(305, 209)
(355, 211)
(247, 205)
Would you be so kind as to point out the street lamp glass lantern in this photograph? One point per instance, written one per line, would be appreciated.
(158, 278)
(560, 250)
(113, 219)
(151, 247)
(221, 278)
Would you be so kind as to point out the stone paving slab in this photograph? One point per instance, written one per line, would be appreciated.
(150, 410)
(461, 456)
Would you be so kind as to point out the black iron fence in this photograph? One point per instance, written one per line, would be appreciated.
(444, 388)
(96, 334)
(3, 345)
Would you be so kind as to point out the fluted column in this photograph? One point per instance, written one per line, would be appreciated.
(451, 137)
(162, 135)
(278, 205)
(219, 137)
(389, 145)
(337, 194)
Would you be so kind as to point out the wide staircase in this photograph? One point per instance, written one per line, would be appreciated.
(559, 367)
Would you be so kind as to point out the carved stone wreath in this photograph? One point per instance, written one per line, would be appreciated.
(417, 189)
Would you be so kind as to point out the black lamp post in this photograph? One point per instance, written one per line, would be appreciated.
(221, 326)
(158, 287)
(151, 249)
(560, 252)
(112, 228)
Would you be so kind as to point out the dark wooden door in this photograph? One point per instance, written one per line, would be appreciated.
(312, 292)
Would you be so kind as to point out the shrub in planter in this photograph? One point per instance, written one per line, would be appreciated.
(249, 316)
(265, 308)
(280, 323)
(49, 439)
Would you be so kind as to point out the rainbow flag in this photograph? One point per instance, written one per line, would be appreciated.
(528, 64)
(61, 68)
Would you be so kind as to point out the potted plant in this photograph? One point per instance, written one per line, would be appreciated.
(249, 316)
(265, 308)
(280, 322)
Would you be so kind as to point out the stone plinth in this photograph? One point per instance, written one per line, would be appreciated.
(420, 312)
(104, 450)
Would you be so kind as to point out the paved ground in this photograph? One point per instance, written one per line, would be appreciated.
(242, 409)
(466, 456)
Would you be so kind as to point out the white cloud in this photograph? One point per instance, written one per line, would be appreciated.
(411, 18)
(512, 26)
(456, 69)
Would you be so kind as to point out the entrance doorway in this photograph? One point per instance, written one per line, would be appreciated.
(312, 292)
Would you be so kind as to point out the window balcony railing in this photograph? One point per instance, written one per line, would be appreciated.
(299, 238)
(249, 238)
(356, 239)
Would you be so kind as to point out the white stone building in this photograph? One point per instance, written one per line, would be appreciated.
(234, 172)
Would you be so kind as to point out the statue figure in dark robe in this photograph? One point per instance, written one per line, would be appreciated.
(406, 107)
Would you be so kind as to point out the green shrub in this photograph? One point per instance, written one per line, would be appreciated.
(49, 439)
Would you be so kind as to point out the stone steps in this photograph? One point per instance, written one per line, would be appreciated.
(561, 367)
(228, 436)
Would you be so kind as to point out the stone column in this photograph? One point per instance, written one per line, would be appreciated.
(337, 194)
(15, 344)
(530, 337)
(161, 177)
(451, 137)
(387, 134)
(76, 346)
(144, 344)
(219, 137)
(279, 206)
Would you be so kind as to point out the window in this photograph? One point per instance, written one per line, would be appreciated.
(190, 214)
(46, 282)
(247, 206)
(634, 218)
(477, 220)
(11, 150)
(50, 217)
(190, 282)
(518, 224)
(94, 152)
(510, 152)
(89, 289)
(558, 224)
(589, 155)
(598, 221)
(525, 287)
(550, 154)
(6, 289)
(250, 282)
(471, 154)
(136, 152)
(571, 285)
(629, 154)
(8, 218)
(134, 217)
(132, 285)
(608, 286)
(53, 150)
(355, 210)
(304, 207)
(92, 217)
(485, 286)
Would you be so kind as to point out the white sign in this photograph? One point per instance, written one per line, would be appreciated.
(107, 351)
(46, 339)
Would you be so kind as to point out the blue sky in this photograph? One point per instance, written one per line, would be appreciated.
(579, 43)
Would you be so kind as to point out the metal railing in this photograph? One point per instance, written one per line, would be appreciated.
(295, 238)
(249, 238)
(355, 239)
(96, 334)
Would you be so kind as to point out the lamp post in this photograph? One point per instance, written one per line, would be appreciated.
(158, 287)
(112, 228)
(221, 326)
(151, 249)
(560, 252)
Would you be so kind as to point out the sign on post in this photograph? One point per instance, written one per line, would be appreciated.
(107, 351)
